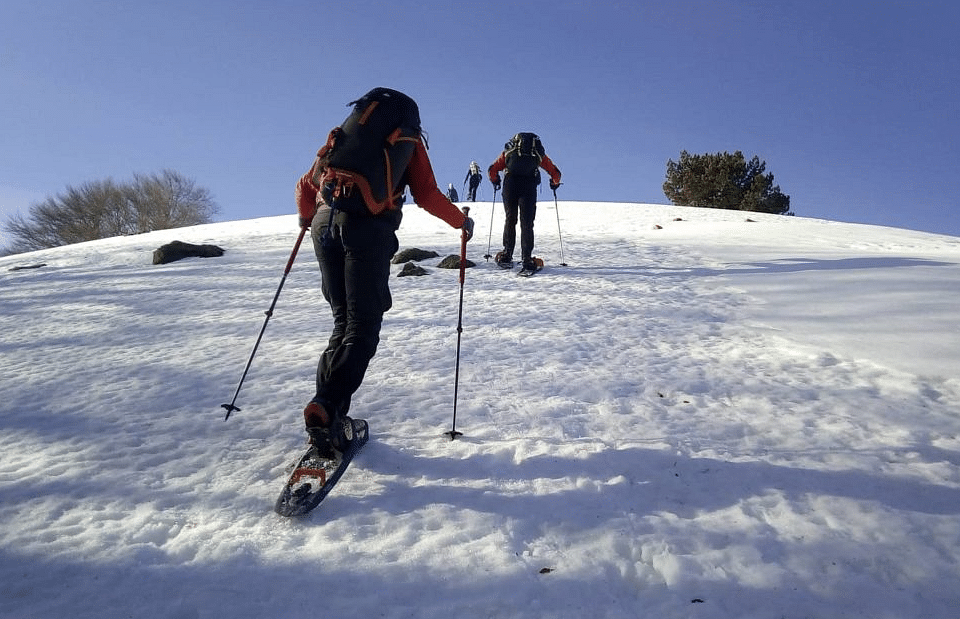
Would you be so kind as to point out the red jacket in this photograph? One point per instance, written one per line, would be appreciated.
(501, 163)
(422, 182)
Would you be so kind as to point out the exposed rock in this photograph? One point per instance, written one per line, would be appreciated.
(453, 262)
(177, 250)
(28, 266)
(411, 269)
(413, 254)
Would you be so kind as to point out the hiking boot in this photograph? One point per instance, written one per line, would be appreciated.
(325, 430)
(503, 260)
(532, 264)
(315, 415)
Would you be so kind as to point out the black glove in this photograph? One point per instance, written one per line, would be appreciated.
(496, 183)
(467, 228)
(554, 186)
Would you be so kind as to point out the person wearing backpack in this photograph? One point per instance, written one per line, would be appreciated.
(474, 176)
(351, 200)
(521, 160)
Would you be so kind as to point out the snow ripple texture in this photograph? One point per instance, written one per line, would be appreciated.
(704, 417)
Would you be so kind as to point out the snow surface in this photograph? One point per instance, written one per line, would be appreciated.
(712, 418)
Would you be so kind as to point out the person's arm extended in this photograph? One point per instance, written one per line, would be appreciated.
(423, 186)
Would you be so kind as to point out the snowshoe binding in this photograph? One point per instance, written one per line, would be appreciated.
(503, 261)
(530, 267)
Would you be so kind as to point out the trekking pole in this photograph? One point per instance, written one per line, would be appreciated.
(493, 211)
(231, 406)
(556, 207)
(453, 434)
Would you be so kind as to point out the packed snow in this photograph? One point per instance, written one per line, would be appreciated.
(700, 416)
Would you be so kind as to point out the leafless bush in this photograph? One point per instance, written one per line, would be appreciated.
(102, 209)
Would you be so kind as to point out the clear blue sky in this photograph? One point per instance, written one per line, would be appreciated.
(852, 105)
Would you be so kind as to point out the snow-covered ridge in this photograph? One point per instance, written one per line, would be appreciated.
(700, 416)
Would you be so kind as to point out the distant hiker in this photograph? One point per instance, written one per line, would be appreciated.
(522, 158)
(353, 216)
(474, 176)
(452, 194)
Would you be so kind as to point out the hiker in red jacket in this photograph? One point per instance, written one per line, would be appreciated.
(354, 248)
(522, 157)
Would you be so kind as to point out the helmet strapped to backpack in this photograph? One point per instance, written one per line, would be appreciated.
(523, 153)
(361, 168)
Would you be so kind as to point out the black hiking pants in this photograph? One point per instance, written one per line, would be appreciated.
(354, 253)
(474, 183)
(519, 204)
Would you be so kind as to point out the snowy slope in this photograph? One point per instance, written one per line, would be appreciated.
(705, 418)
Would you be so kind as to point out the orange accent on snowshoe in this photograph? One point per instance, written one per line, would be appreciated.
(305, 472)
